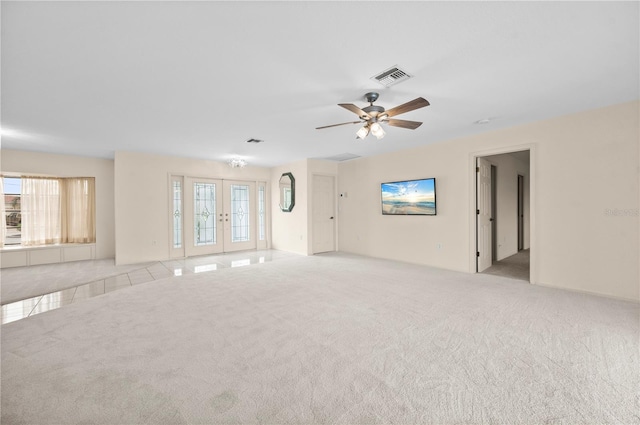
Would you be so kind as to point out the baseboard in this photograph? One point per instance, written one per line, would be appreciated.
(582, 291)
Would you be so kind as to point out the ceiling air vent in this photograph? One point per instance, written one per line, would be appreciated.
(391, 76)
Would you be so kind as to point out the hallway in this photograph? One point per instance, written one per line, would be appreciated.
(516, 266)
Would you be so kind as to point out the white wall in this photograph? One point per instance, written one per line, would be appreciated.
(293, 231)
(582, 166)
(142, 199)
(74, 166)
(289, 230)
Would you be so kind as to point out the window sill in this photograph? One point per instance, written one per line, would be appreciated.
(35, 247)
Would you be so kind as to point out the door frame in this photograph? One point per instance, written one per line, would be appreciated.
(494, 213)
(533, 204)
(520, 211)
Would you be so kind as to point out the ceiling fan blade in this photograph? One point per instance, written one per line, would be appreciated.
(411, 125)
(335, 125)
(406, 107)
(353, 108)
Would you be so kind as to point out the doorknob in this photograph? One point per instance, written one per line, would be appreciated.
(330, 218)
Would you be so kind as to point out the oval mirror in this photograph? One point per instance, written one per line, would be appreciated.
(287, 192)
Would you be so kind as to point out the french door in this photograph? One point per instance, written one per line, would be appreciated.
(211, 216)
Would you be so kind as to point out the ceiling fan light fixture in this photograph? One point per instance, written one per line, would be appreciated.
(237, 163)
(377, 130)
(363, 132)
(373, 115)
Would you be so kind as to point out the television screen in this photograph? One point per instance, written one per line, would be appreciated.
(410, 197)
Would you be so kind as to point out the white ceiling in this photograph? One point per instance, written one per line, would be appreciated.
(198, 79)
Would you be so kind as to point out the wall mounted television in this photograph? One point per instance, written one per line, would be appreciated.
(409, 197)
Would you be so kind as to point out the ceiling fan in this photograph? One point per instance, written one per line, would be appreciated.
(373, 115)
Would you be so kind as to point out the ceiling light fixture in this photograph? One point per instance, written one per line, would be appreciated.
(363, 132)
(377, 130)
(374, 128)
(237, 163)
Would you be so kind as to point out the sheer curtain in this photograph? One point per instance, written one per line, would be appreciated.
(40, 211)
(3, 215)
(78, 210)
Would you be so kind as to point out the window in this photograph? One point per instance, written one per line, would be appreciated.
(177, 212)
(48, 210)
(12, 210)
(240, 213)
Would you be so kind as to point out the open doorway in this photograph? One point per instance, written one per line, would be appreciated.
(503, 215)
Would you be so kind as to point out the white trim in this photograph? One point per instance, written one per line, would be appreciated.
(595, 294)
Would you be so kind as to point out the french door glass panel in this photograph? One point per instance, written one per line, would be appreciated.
(177, 213)
(204, 208)
(202, 216)
(240, 217)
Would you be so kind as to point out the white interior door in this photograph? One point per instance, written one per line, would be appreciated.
(323, 214)
(483, 212)
(203, 216)
(240, 218)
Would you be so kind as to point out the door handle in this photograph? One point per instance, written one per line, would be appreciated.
(330, 218)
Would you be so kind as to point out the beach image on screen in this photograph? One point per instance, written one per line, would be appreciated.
(409, 197)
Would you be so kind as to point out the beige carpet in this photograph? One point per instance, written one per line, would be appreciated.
(331, 339)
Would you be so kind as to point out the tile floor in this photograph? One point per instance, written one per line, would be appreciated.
(145, 274)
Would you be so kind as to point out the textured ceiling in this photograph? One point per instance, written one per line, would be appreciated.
(198, 79)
